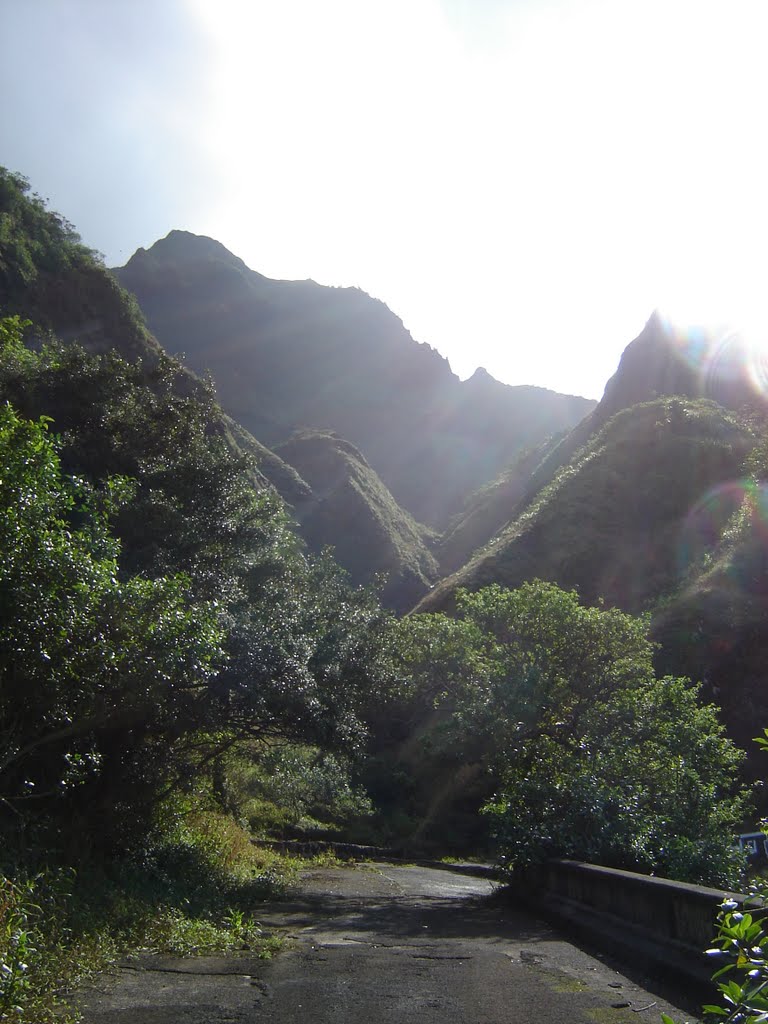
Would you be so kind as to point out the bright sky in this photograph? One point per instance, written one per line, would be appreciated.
(522, 181)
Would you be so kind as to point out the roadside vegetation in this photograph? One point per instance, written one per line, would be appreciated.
(739, 953)
(590, 755)
(176, 675)
(196, 888)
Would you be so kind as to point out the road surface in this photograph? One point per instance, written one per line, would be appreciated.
(383, 944)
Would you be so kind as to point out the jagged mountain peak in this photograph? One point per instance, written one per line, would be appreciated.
(668, 358)
(480, 376)
(186, 247)
(180, 244)
(286, 354)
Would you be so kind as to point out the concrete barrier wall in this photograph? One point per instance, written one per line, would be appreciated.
(665, 925)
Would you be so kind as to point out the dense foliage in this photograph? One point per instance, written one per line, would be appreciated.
(156, 613)
(196, 889)
(206, 574)
(33, 240)
(739, 953)
(593, 756)
(94, 670)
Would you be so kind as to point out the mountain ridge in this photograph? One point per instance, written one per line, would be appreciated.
(654, 501)
(48, 276)
(290, 355)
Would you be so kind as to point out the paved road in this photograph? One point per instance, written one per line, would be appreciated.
(385, 945)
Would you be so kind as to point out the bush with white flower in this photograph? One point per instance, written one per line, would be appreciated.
(740, 952)
(15, 949)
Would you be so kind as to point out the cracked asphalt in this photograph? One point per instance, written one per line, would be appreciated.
(384, 944)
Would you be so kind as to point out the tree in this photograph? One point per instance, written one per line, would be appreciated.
(647, 783)
(310, 657)
(592, 756)
(195, 507)
(98, 674)
(32, 239)
(303, 654)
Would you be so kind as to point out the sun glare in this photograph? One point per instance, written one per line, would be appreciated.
(478, 175)
(724, 338)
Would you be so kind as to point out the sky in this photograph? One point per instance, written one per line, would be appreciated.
(521, 181)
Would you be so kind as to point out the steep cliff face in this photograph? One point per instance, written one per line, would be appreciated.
(352, 511)
(292, 354)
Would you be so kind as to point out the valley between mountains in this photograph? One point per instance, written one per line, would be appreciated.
(438, 483)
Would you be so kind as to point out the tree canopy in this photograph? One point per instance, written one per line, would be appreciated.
(92, 666)
(592, 756)
(154, 597)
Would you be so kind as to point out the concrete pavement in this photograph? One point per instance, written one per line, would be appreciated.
(383, 944)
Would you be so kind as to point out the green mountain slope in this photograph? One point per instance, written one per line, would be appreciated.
(488, 510)
(353, 511)
(610, 522)
(292, 354)
(48, 276)
(714, 627)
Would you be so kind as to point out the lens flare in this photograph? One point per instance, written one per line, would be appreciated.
(758, 361)
(708, 524)
(703, 527)
(730, 363)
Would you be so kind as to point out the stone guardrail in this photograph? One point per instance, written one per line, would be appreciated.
(660, 925)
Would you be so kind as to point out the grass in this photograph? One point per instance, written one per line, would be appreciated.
(198, 889)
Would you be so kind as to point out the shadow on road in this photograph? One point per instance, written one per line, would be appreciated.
(387, 945)
(402, 917)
